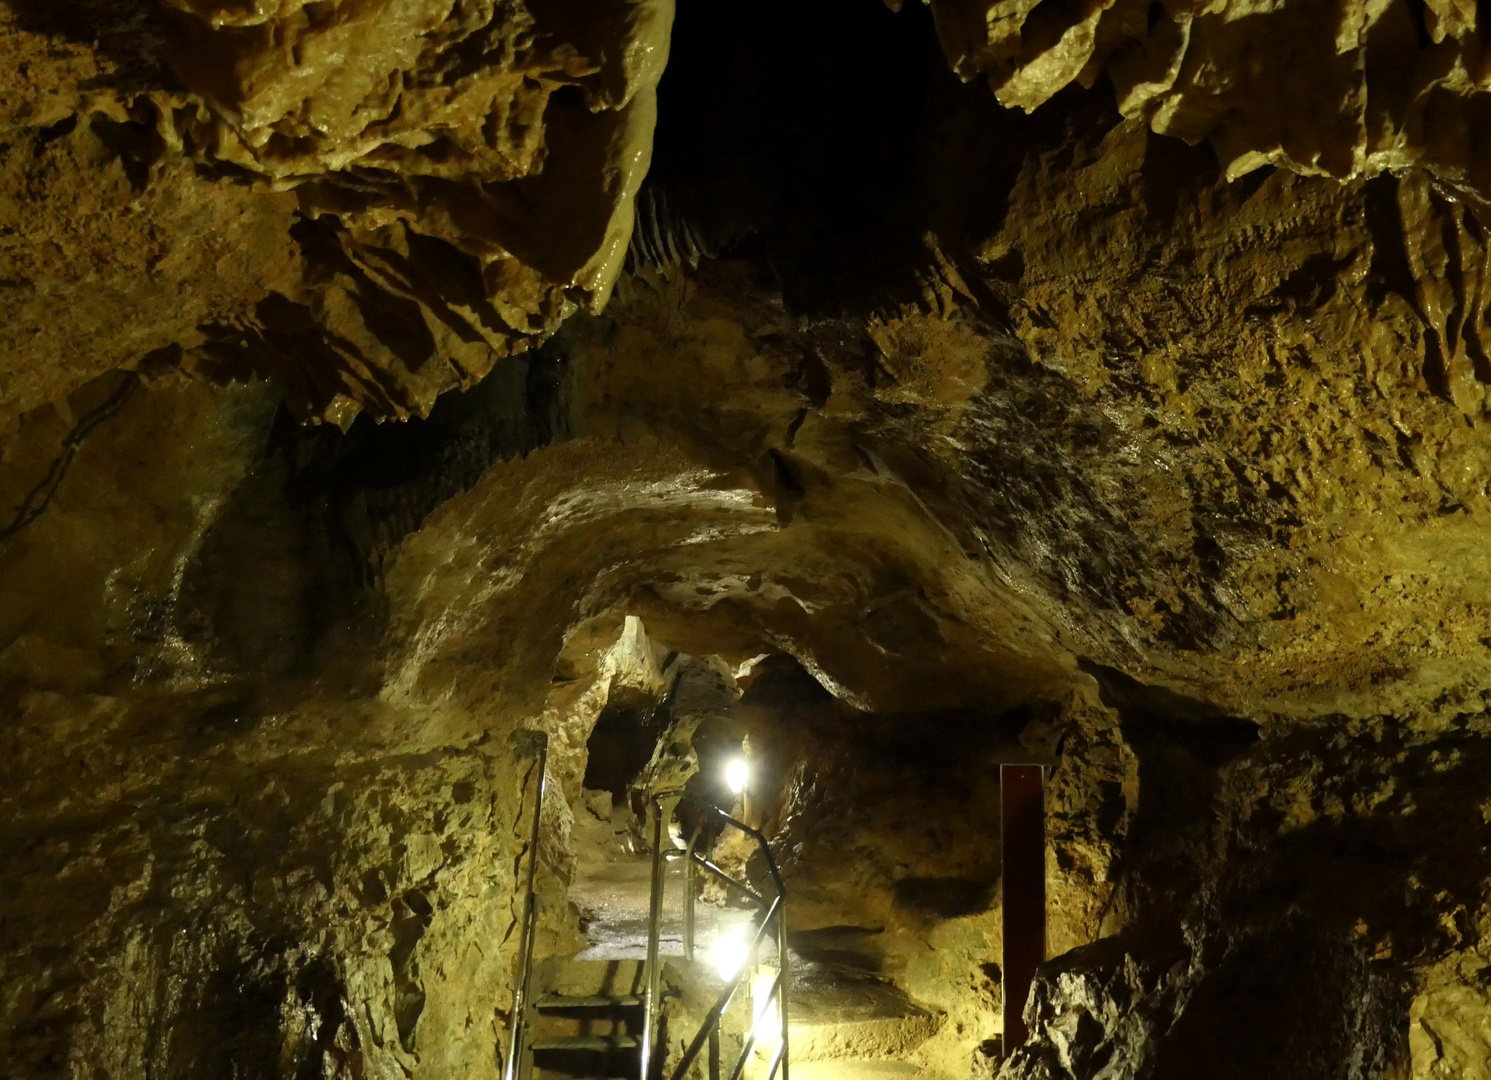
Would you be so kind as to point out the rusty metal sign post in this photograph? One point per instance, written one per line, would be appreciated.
(1023, 836)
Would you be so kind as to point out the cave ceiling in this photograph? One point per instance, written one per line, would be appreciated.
(1189, 374)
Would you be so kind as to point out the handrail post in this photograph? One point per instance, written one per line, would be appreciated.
(523, 985)
(712, 1020)
(782, 974)
(651, 972)
(688, 897)
(774, 918)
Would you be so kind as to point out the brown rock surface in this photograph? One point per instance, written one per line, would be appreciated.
(1342, 90)
(380, 201)
(958, 433)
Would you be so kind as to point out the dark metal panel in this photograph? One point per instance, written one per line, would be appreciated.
(1023, 836)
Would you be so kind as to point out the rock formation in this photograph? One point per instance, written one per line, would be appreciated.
(385, 198)
(383, 381)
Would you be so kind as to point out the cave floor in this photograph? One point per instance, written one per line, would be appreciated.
(844, 1021)
(613, 900)
(856, 1069)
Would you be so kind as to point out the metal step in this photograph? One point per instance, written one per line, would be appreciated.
(595, 1001)
(584, 1042)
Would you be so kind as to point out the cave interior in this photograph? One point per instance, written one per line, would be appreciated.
(494, 493)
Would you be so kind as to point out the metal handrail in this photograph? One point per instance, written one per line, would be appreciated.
(717, 1010)
(750, 1043)
(652, 970)
(523, 986)
(775, 912)
(688, 892)
(779, 987)
(708, 1032)
(750, 893)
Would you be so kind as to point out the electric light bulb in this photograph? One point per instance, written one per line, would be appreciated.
(730, 952)
(737, 775)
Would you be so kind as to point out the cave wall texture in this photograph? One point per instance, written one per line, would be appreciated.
(1105, 381)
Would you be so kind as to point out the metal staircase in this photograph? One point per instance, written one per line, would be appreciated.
(617, 1008)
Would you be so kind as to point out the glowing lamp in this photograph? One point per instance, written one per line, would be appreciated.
(737, 775)
(730, 953)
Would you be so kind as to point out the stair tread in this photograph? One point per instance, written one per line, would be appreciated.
(584, 1042)
(588, 1001)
